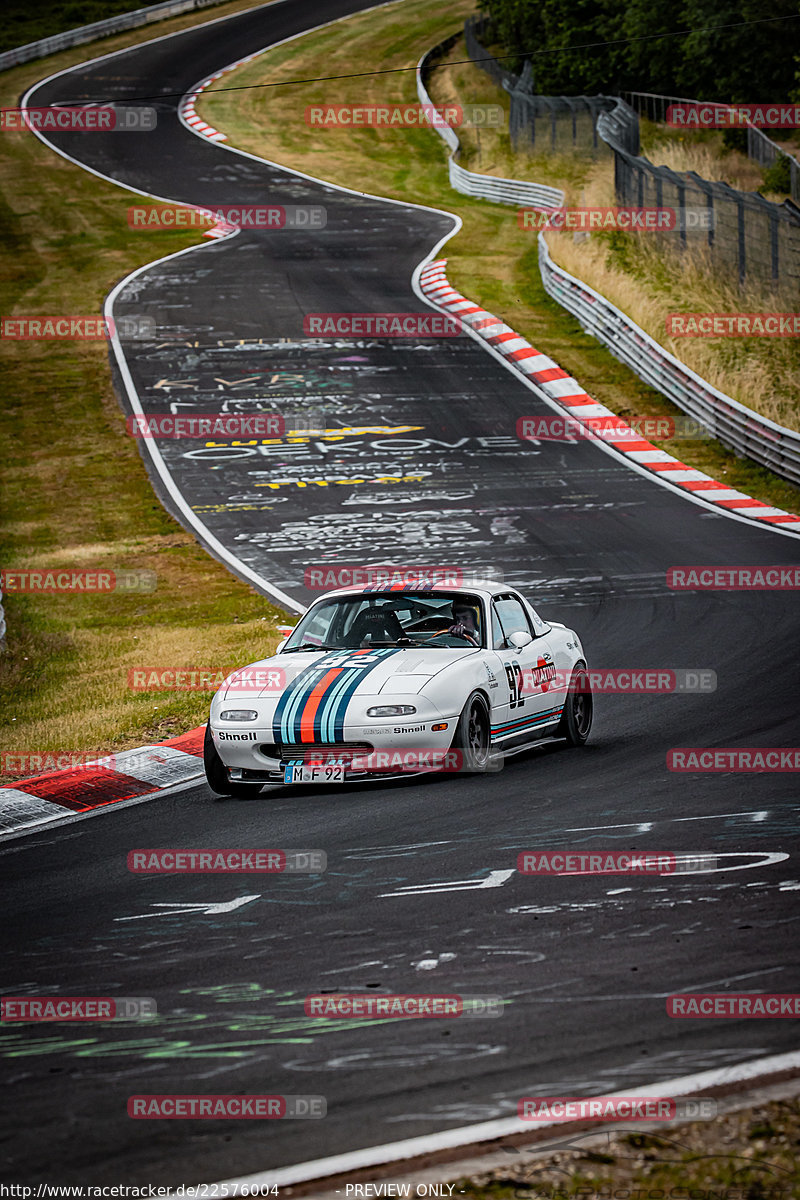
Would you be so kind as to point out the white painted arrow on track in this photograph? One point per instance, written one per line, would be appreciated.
(494, 879)
(207, 909)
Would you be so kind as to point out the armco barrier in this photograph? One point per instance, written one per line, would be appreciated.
(503, 191)
(469, 183)
(737, 427)
(99, 29)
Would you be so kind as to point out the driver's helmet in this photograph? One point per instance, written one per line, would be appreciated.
(467, 615)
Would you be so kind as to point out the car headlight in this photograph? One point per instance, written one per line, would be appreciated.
(238, 714)
(391, 710)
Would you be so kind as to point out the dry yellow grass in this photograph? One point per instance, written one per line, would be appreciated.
(74, 490)
(645, 282)
(491, 259)
(707, 158)
(763, 374)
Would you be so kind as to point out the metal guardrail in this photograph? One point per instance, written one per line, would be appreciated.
(760, 148)
(737, 427)
(765, 152)
(503, 191)
(98, 29)
(470, 183)
(747, 237)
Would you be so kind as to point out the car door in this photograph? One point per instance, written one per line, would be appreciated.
(527, 669)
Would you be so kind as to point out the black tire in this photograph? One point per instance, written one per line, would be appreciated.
(576, 719)
(217, 775)
(473, 734)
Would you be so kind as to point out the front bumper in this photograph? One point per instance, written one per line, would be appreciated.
(365, 752)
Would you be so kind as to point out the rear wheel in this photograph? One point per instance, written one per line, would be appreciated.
(576, 719)
(217, 775)
(473, 733)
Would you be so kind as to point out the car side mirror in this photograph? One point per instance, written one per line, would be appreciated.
(519, 639)
(280, 645)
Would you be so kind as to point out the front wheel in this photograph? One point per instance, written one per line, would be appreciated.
(217, 775)
(473, 733)
(576, 719)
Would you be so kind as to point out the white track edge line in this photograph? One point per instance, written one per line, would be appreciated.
(194, 522)
(618, 455)
(467, 1135)
(71, 818)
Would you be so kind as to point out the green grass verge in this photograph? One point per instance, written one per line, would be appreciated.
(73, 489)
(23, 22)
(491, 260)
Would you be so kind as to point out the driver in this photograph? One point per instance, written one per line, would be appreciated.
(466, 622)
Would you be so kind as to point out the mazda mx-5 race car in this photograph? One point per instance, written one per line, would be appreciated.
(388, 681)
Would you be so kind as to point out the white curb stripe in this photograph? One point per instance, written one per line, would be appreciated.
(19, 810)
(658, 465)
(159, 765)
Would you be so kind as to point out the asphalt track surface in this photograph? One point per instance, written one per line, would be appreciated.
(585, 964)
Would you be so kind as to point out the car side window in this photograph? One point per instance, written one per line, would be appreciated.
(498, 637)
(511, 617)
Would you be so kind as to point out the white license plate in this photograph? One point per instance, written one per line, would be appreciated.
(305, 773)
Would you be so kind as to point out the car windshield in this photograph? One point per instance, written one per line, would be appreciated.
(445, 620)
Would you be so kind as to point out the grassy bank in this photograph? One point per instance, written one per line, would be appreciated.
(746, 1155)
(491, 260)
(640, 275)
(74, 489)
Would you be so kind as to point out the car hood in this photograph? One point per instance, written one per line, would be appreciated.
(371, 672)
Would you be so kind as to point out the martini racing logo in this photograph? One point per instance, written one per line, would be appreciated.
(313, 707)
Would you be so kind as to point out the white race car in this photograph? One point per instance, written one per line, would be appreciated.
(388, 681)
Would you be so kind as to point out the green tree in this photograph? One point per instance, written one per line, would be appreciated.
(651, 58)
(575, 49)
(751, 62)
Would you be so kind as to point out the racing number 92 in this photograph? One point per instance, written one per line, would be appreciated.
(514, 677)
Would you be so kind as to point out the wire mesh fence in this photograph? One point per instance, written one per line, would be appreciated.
(765, 152)
(470, 183)
(745, 237)
(540, 123)
(760, 148)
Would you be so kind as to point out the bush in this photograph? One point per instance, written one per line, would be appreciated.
(778, 177)
(735, 139)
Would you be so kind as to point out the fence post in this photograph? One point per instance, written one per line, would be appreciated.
(773, 243)
(740, 226)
